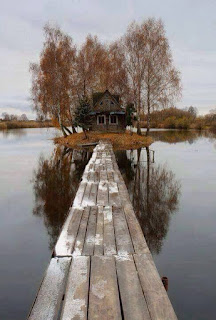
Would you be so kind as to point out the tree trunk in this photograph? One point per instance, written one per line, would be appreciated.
(61, 126)
(138, 128)
(73, 128)
(86, 137)
(148, 106)
(68, 130)
(148, 181)
(148, 121)
(138, 114)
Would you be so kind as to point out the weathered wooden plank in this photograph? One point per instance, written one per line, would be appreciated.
(85, 201)
(97, 176)
(116, 176)
(80, 239)
(49, 297)
(122, 235)
(92, 176)
(97, 168)
(76, 296)
(124, 195)
(110, 175)
(114, 196)
(133, 302)
(88, 248)
(139, 242)
(85, 175)
(98, 160)
(109, 235)
(91, 165)
(98, 249)
(93, 194)
(65, 243)
(109, 165)
(104, 298)
(155, 294)
(103, 176)
(102, 196)
(79, 194)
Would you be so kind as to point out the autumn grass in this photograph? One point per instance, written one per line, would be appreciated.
(120, 141)
(5, 125)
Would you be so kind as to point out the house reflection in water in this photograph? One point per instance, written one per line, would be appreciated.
(55, 184)
(154, 192)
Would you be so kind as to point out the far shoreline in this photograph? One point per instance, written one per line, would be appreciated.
(7, 125)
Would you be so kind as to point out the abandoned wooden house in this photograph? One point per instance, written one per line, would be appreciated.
(107, 113)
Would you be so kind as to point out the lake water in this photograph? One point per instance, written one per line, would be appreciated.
(172, 185)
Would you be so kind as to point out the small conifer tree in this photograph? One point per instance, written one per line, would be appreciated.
(83, 115)
(130, 116)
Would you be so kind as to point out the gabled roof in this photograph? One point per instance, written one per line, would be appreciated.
(98, 95)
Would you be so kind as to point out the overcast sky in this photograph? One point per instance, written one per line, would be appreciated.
(190, 26)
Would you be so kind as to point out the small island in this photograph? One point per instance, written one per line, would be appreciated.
(104, 118)
(120, 141)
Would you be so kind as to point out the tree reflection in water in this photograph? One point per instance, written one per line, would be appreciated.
(154, 192)
(176, 136)
(55, 184)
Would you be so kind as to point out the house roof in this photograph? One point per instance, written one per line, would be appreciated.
(98, 95)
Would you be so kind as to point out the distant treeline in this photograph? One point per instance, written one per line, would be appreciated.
(4, 125)
(12, 121)
(174, 118)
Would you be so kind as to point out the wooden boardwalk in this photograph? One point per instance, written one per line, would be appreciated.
(102, 268)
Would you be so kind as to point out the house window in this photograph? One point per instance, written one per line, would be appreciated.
(101, 119)
(113, 119)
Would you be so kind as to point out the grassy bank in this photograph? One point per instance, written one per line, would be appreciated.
(120, 141)
(174, 118)
(180, 124)
(5, 125)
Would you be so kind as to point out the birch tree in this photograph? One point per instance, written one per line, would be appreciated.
(133, 48)
(161, 84)
(51, 79)
(153, 79)
(113, 75)
(89, 63)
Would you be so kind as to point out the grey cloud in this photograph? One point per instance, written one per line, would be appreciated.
(190, 25)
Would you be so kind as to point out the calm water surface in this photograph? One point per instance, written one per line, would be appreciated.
(172, 186)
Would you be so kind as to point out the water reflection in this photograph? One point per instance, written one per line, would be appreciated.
(154, 192)
(14, 133)
(175, 136)
(55, 183)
